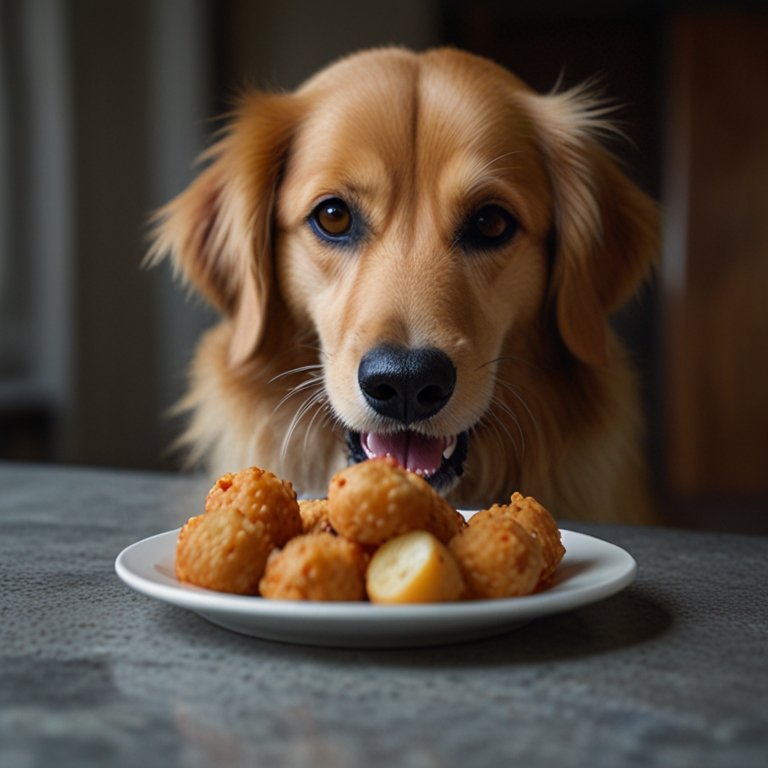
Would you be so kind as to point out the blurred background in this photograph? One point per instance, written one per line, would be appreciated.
(104, 106)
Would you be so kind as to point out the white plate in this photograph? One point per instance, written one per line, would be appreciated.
(591, 570)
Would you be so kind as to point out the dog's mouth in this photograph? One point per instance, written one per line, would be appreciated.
(439, 460)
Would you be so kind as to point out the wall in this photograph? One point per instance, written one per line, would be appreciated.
(690, 84)
(105, 108)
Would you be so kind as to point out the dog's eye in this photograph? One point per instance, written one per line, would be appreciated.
(489, 227)
(332, 219)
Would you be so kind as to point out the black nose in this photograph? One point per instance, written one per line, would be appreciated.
(406, 384)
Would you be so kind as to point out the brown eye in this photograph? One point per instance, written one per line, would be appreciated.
(491, 223)
(332, 219)
(489, 227)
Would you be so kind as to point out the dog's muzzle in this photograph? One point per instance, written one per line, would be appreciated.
(405, 387)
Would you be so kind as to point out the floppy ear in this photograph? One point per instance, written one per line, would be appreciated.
(218, 231)
(606, 229)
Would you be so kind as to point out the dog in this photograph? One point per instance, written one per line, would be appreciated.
(416, 254)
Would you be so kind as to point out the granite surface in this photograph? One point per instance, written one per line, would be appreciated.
(673, 671)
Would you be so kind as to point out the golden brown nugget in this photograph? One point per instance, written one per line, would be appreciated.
(315, 566)
(248, 514)
(314, 516)
(497, 557)
(224, 551)
(260, 496)
(444, 522)
(414, 568)
(377, 500)
(538, 521)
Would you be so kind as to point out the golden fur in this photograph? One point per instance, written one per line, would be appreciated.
(418, 141)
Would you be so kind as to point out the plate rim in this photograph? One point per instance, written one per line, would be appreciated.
(210, 604)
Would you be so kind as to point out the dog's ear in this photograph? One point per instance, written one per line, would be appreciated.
(218, 231)
(606, 231)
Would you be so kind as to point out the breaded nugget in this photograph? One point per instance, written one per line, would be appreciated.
(444, 522)
(377, 499)
(538, 521)
(248, 514)
(314, 516)
(260, 495)
(497, 557)
(315, 566)
(223, 551)
(413, 568)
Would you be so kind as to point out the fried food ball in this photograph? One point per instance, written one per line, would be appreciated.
(444, 522)
(223, 551)
(248, 514)
(538, 521)
(260, 495)
(414, 568)
(377, 500)
(315, 566)
(314, 516)
(255, 535)
(497, 557)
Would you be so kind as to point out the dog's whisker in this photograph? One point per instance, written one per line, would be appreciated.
(311, 383)
(299, 369)
(323, 408)
(500, 405)
(514, 391)
(495, 427)
(284, 400)
(500, 427)
(511, 358)
(311, 402)
(491, 425)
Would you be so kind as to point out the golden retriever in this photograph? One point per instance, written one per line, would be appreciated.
(416, 254)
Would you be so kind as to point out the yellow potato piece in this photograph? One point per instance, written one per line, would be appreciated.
(413, 568)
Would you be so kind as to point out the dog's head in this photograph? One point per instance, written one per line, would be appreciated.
(428, 218)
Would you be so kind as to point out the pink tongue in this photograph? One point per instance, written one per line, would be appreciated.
(411, 450)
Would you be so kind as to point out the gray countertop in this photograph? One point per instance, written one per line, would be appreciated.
(673, 671)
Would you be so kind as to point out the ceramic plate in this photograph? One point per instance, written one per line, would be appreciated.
(591, 570)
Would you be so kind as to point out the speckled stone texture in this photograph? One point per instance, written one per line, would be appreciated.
(671, 672)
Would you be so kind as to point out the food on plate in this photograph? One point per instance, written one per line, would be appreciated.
(444, 522)
(382, 534)
(497, 557)
(377, 499)
(413, 568)
(541, 525)
(538, 522)
(316, 566)
(261, 496)
(247, 514)
(314, 516)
